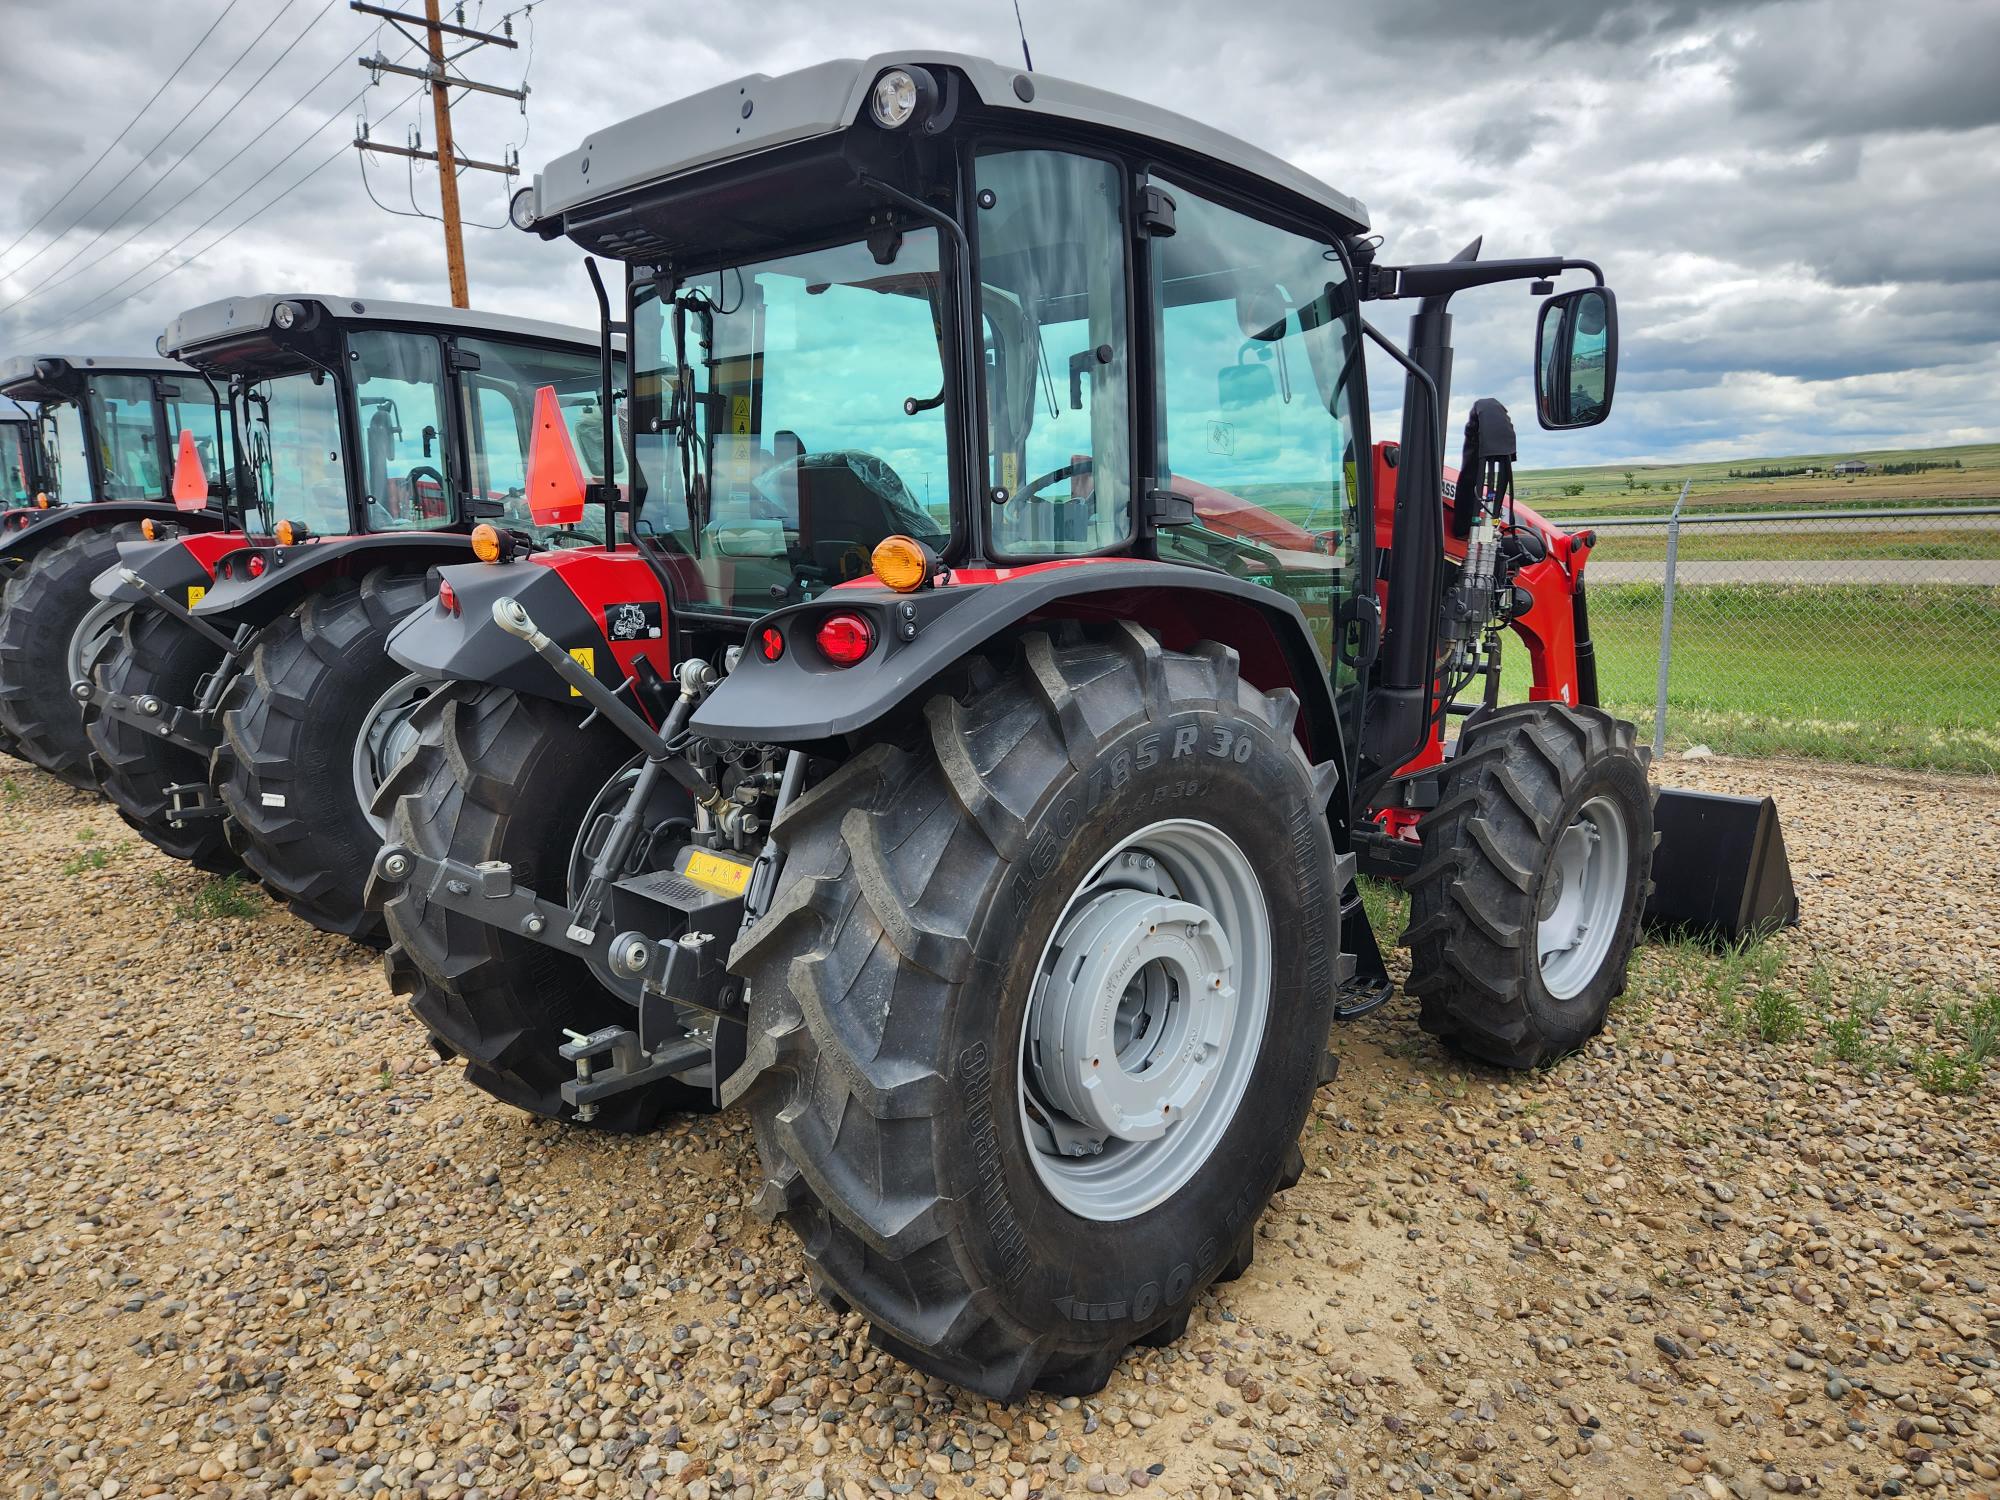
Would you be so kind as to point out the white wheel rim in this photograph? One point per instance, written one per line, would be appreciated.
(386, 736)
(1583, 898)
(93, 632)
(1145, 1021)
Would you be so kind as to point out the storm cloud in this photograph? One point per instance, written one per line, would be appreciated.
(1798, 202)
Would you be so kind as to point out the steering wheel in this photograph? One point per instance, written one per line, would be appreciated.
(1032, 490)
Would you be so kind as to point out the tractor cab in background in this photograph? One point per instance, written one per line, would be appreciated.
(246, 710)
(20, 462)
(101, 457)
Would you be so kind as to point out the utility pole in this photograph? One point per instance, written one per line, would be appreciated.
(442, 81)
(454, 234)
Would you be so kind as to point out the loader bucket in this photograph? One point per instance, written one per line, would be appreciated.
(1720, 870)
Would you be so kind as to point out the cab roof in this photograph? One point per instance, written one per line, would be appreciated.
(233, 317)
(760, 113)
(22, 379)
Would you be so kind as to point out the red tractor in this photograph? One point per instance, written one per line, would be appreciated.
(244, 706)
(96, 468)
(1017, 646)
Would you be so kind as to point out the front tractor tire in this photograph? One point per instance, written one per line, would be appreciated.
(310, 728)
(1039, 1006)
(156, 655)
(1537, 865)
(500, 775)
(52, 629)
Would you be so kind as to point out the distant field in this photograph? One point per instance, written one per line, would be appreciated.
(1651, 488)
(1756, 544)
(1887, 676)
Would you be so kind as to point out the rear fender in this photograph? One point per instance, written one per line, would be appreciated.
(606, 609)
(181, 567)
(801, 697)
(66, 520)
(290, 573)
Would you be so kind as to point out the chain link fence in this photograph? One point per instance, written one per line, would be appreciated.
(1859, 635)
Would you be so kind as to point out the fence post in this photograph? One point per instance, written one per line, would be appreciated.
(1667, 624)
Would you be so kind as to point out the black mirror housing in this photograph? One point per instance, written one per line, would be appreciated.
(1576, 358)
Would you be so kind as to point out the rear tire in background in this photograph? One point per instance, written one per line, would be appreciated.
(1537, 865)
(155, 654)
(503, 775)
(291, 726)
(45, 605)
(955, 963)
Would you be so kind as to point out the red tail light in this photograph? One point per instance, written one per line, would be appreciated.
(255, 566)
(845, 639)
(448, 597)
(771, 642)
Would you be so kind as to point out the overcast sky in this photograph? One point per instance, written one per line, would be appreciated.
(1798, 202)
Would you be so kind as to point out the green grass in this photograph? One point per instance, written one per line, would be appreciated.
(219, 896)
(89, 859)
(1878, 674)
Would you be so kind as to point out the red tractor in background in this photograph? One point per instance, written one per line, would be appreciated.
(1039, 658)
(102, 459)
(244, 707)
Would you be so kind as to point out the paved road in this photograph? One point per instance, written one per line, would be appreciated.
(1831, 570)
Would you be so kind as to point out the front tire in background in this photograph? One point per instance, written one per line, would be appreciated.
(981, 1008)
(51, 625)
(294, 722)
(1537, 865)
(500, 775)
(156, 655)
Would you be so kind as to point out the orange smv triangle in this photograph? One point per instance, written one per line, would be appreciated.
(555, 479)
(190, 483)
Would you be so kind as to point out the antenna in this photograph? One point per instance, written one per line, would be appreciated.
(1024, 37)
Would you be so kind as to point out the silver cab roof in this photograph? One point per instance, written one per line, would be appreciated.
(213, 322)
(18, 371)
(760, 113)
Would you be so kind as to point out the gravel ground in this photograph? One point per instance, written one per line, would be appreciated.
(253, 1242)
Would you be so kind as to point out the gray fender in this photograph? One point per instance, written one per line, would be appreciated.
(290, 573)
(801, 697)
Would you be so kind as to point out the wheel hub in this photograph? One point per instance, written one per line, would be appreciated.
(1146, 1020)
(1129, 1030)
(387, 735)
(1583, 897)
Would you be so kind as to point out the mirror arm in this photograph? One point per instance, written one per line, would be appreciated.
(1442, 279)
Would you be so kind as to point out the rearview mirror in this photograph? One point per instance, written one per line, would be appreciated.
(1239, 387)
(1576, 358)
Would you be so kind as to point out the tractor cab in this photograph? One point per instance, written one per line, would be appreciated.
(20, 460)
(373, 418)
(103, 431)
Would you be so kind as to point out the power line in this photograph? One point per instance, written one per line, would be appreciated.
(201, 140)
(256, 139)
(79, 182)
(127, 173)
(72, 318)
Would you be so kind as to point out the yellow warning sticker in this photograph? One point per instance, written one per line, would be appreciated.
(739, 414)
(717, 873)
(586, 657)
(1010, 471)
(196, 593)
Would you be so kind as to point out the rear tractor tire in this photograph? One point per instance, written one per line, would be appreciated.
(500, 775)
(1537, 865)
(316, 720)
(156, 655)
(1039, 1006)
(52, 628)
